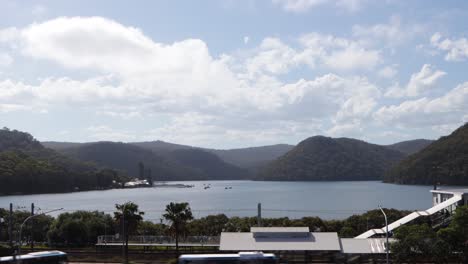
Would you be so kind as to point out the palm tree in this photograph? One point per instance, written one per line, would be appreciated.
(129, 216)
(178, 214)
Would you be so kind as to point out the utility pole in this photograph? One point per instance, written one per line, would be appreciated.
(259, 215)
(10, 226)
(32, 227)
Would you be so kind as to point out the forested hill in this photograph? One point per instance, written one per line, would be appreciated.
(332, 159)
(444, 161)
(245, 158)
(27, 167)
(126, 158)
(165, 165)
(411, 146)
(251, 158)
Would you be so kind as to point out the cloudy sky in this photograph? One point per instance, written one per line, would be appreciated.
(228, 74)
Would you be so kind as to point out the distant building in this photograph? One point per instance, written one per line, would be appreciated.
(137, 183)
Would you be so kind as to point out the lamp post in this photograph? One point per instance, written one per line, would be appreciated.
(386, 232)
(21, 229)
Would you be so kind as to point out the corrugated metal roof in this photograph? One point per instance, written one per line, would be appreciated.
(322, 241)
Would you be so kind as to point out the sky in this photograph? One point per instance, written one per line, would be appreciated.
(231, 74)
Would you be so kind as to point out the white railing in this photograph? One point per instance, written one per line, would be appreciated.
(159, 240)
(437, 208)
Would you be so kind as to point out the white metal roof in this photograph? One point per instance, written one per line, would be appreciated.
(323, 241)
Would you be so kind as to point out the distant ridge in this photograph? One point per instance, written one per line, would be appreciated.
(322, 158)
(410, 146)
(445, 161)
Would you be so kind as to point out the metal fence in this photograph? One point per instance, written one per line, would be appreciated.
(201, 240)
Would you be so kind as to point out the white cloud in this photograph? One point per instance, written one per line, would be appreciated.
(392, 33)
(246, 39)
(448, 109)
(388, 71)
(194, 97)
(301, 6)
(457, 49)
(418, 84)
(339, 53)
(353, 58)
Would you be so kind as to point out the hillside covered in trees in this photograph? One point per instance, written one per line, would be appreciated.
(28, 167)
(332, 159)
(410, 146)
(165, 164)
(445, 161)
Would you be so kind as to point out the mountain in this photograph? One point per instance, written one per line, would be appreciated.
(165, 160)
(246, 158)
(252, 157)
(27, 167)
(322, 158)
(159, 146)
(444, 161)
(126, 158)
(208, 163)
(56, 145)
(411, 146)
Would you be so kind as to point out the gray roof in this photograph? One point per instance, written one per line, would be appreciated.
(315, 241)
(279, 229)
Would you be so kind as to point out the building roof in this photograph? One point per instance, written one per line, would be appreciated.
(323, 241)
(279, 229)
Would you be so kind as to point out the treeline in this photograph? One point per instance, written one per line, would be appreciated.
(82, 227)
(27, 167)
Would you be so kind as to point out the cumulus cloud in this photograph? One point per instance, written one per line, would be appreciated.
(457, 49)
(448, 109)
(418, 84)
(194, 97)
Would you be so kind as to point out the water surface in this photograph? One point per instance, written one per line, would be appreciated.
(329, 200)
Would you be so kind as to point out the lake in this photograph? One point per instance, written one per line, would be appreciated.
(328, 200)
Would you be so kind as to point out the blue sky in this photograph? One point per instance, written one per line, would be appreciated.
(228, 74)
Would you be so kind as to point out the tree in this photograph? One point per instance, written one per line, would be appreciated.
(128, 216)
(178, 214)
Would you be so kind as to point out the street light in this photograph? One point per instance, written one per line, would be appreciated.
(386, 233)
(24, 222)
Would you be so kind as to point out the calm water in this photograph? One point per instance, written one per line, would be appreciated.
(329, 200)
